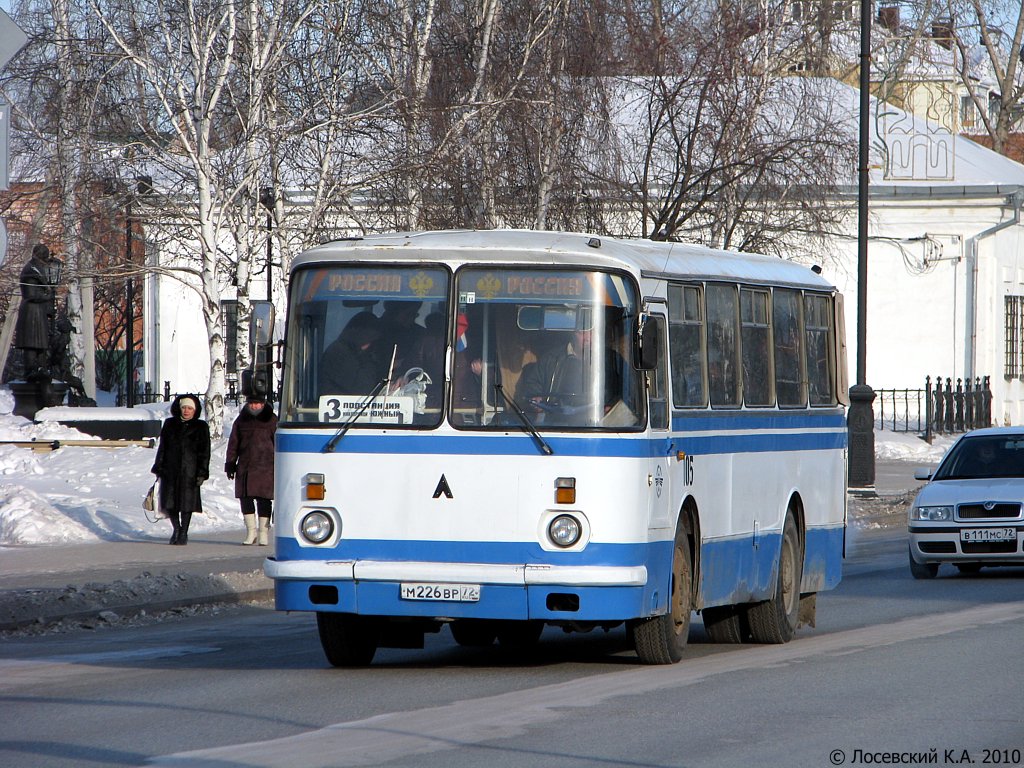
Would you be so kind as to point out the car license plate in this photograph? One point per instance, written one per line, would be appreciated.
(988, 534)
(456, 593)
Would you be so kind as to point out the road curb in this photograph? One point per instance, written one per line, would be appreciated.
(149, 593)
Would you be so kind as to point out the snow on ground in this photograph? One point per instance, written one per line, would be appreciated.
(81, 494)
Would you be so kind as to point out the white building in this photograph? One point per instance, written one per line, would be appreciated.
(945, 261)
(945, 276)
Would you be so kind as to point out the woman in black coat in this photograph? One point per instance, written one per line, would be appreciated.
(250, 462)
(182, 464)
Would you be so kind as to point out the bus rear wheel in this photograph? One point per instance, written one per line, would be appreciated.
(662, 639)
(726, 624)
(348, 640)
(775, 620)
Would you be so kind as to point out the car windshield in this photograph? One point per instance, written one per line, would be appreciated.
(984, 457)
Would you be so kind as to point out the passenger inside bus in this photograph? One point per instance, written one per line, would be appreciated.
(352, 364)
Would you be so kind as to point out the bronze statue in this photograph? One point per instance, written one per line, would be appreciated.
(38, 307)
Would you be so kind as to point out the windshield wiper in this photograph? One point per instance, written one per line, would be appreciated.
(541, 442)
(329, 448)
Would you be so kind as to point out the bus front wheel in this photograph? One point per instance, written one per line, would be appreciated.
(348, 640)
(474, 633)
(662, 639)
(775, 620)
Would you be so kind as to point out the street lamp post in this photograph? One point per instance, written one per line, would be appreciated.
(143, 186)
(267, 200)
(861, 419)
(129, 312)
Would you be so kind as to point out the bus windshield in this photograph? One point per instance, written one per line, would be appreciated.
(366, 345)
(557, 343)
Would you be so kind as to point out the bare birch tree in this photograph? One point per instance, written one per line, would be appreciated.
(183, 53)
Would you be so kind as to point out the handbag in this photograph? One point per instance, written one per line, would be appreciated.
(152, 503)
(149, 503)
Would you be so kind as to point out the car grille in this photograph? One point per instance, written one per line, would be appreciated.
(988, 547)
(937, 547)
(978, 511)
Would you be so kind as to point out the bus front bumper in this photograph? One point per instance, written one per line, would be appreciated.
(552, 593)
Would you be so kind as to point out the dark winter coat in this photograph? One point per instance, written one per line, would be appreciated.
(250, 455)
(182, 459)
(33, 328)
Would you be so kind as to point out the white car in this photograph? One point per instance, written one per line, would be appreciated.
(970, 512)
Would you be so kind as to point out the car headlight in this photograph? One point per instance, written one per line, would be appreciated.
(564, 531)
(933, 514)
(317, 527)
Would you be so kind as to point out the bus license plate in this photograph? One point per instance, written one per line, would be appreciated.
(988, 534)
(456, 593)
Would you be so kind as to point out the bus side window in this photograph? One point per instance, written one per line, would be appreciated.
(686, 346)
(657, 386)
(756, 347)
(786, 336)
(723, 346)
(818, 322)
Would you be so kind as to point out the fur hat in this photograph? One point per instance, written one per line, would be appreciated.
(188, 401)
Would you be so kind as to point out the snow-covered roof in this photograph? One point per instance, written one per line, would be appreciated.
(909, 152)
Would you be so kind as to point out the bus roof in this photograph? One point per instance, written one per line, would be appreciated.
(641, 257)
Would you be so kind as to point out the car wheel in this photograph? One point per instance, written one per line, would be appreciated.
(922, 570)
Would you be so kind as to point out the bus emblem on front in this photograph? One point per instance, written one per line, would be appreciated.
(442, 487)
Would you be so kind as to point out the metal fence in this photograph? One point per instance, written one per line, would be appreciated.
(940, 408)
(149, 395)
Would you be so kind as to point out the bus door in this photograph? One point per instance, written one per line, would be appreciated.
(659, 416)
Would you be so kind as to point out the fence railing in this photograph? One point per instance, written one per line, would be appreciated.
(149, 395)
(940, 408)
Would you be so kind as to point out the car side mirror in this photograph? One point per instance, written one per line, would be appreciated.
(923, 473)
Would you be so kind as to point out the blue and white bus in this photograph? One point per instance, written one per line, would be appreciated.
(500, 431)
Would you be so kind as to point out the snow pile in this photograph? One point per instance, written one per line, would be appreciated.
(81, 494)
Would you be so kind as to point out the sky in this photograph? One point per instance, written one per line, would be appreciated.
(77, 495)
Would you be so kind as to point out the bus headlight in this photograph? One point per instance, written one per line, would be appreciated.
(317, 527)
(564, 531)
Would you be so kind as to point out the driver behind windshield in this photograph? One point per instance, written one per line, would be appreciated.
(563, 376)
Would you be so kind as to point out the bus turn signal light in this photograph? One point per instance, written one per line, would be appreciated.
(315, 489)
(565, 490)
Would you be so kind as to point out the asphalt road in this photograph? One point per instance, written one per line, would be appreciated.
(894, 666)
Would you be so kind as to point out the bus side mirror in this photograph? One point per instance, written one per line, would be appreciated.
(261, 324)
(647, 346)
(255, 383)
(255, 380)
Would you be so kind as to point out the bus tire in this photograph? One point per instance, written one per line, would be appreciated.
(348, 640)
(775, 620)
(473, 633)
(519, 635)
(662, 639)
(726, 624)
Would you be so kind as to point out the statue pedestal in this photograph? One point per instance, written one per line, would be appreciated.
(32, 396)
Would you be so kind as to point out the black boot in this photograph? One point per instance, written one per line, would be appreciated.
(186, 518)
(175, 527)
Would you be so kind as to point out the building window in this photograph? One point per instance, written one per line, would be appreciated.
(968, 113)
(229, 324)
(1012, 327)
